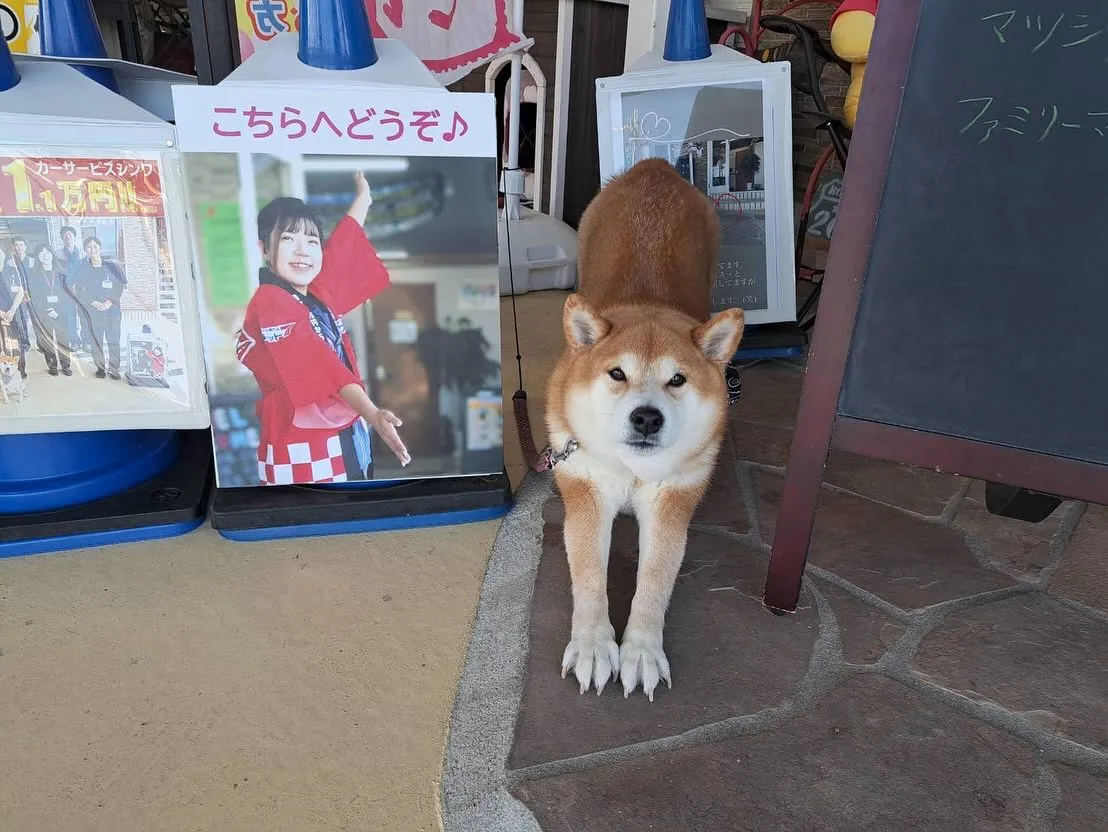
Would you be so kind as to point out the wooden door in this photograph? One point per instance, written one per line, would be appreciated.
(599, 38)
(401, 383)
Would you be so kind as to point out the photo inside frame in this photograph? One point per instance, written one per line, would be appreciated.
(403, 294)
(92, 323)
(714, 136)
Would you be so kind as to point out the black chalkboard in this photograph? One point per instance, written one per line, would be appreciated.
(983, 307)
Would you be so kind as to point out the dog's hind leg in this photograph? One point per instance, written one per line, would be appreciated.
(664, 513)
(592, 653)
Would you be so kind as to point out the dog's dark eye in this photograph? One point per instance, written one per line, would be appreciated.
(677, 380)
(616, 374)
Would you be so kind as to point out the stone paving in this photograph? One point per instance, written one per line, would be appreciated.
(946, 669)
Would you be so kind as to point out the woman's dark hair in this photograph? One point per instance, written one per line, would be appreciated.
(41, 247)
(285, 214)
(92, 239)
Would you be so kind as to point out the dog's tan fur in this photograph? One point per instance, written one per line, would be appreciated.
(647, 247)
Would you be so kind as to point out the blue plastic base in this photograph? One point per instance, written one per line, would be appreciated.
(358, 485)
(382, 524)
(50, 471)
(763, 353)
(167, 503)
(767, 341)
(67, 543)
(287, 511)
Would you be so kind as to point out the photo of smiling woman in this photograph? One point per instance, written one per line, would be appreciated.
(315, 416)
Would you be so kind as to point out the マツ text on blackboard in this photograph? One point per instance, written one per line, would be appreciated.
(1037, 31)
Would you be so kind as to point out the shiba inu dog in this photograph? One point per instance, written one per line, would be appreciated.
(637, 407)
(12, 386)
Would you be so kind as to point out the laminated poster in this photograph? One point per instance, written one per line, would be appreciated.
(339, 237)
(92, 330)
(715, 137)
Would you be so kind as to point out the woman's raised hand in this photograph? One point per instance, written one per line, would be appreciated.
(363, 198)
(361, 186)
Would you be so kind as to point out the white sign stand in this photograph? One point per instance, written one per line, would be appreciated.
(80, 147)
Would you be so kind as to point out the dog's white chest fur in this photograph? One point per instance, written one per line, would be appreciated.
(620, 480)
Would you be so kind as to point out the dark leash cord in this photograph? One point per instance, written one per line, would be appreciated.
(519, 398)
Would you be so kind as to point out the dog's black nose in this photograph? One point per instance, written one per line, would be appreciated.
(647, 420)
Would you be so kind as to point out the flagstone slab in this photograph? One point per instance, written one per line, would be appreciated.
(728, 654)
(908, 561)
(872, 756)
(1027, 654)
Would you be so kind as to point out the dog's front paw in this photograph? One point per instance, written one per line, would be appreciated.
(593, 656)
(642, 660)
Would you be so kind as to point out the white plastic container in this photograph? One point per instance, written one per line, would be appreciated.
(544, 253)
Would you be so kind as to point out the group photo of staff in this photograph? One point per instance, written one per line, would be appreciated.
(59, 301)
(88, 316)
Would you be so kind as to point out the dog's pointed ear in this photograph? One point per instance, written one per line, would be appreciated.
(583, 327)
(719, 337)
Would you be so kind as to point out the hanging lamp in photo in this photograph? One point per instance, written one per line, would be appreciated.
(70, 30)
(335, 34)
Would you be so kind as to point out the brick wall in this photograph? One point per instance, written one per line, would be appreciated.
(808, 142)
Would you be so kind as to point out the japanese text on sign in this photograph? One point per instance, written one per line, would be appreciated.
(1037, 124)
(359, 121)
(429, 126)
(1037, 31)
(269, 18)
(80, 187)
(987, 119)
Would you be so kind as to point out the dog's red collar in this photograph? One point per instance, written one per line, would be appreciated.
(549, 457)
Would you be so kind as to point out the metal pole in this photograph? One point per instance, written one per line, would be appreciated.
(513, 179)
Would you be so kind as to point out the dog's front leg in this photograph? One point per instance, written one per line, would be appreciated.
(664, 514)
(592, 652)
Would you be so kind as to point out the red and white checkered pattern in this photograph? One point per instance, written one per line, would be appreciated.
(318, 460)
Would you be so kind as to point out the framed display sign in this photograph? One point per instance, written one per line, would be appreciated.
(726, 125)
(97, 305)
(344, 241)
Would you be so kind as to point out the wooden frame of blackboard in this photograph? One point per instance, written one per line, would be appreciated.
(819, 426)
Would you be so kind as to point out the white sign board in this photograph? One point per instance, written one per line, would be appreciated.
(336, 232)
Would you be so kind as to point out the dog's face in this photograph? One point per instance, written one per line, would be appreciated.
(647, 388)
(9, 372)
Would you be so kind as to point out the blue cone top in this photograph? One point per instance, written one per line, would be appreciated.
(335, 34)
(687, 32)
(9, 75)
(70, 30)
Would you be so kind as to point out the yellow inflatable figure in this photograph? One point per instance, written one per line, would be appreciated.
(851, 33)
